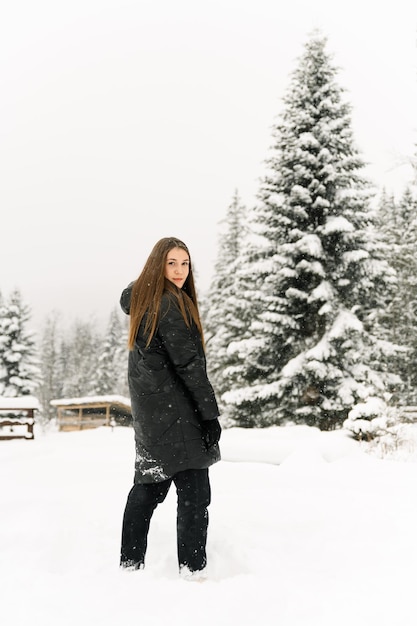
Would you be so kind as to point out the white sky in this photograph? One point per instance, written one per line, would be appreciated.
(126, 121)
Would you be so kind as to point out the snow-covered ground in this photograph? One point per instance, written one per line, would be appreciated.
(305, 529)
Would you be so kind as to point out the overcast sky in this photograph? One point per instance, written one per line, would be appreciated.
(126, 121)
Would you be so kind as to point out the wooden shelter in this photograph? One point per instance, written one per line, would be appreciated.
(92, 412)
(17, 417)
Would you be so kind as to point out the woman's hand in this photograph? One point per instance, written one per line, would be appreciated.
(211, 432)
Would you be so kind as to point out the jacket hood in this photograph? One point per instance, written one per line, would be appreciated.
(125, 298)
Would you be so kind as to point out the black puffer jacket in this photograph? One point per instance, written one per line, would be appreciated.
(171, 396)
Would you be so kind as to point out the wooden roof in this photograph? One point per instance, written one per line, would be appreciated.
(19, 403)
(92, 412)
(94, 402)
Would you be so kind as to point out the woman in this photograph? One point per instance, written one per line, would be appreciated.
(175, 413)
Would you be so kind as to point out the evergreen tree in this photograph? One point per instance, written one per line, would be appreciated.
(79, 360)
(2, 347)
(64, 362)
(52, 380)
(398, 223)
(122, 359)
(111, 373)
(19, 364)
(315, 269)
(220, 310)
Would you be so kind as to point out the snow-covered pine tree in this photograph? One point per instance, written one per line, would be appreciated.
(2, 348)
(79, 359)
(221, 311)
(398, 224)
(19, 364)
(51, 386)
(311, 354)
(111, 373)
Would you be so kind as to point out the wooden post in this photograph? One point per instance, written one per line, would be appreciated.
(31, 415)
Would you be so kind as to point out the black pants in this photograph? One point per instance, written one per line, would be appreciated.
(193, 493)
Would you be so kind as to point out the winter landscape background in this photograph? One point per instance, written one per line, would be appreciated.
(306, 529)
(122, 119)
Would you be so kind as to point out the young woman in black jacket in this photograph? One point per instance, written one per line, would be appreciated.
(175, 413)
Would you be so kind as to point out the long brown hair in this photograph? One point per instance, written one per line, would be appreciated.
(148, 289)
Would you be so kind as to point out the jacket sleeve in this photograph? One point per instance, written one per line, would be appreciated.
(188, 360)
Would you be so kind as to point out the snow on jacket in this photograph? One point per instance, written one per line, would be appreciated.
(170, 395)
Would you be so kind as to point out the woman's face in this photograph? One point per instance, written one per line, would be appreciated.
(177, 266)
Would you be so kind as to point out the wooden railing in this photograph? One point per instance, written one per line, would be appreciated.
(12, 423)
(73, 417)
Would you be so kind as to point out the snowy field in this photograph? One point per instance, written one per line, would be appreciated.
(305, 529)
